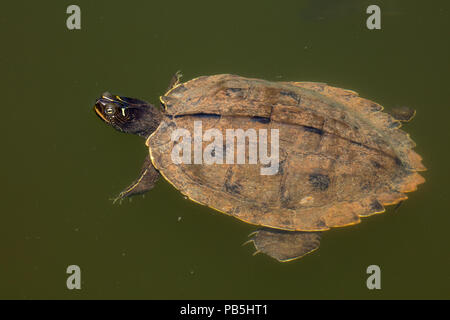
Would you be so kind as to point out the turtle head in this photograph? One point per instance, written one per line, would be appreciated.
(128, 114)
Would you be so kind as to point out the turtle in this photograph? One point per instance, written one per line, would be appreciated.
(339, 157)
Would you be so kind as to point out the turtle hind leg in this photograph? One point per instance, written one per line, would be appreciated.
(285, 245)
(145, 182)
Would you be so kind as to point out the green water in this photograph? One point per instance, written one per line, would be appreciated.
(60, 164)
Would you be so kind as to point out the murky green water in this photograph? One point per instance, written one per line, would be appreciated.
(60, 164)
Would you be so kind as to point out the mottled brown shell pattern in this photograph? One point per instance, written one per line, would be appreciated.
(341, 157)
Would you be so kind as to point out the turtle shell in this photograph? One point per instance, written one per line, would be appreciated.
(340, 156)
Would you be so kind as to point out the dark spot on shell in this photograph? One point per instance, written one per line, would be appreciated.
(291, 95)
(233, 187)
(313, 130)
(375, 107)
(234, 92)
(260, 119)
(376, 206)
(398, 162)
(366, 186)
(319, 181)
(356, 143)
(376, 164)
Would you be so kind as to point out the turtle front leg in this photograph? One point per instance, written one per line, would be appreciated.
(145, 182)
(285, 245)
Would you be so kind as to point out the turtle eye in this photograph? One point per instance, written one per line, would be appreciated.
(110, 110)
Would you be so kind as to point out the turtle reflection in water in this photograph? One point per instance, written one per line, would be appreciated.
(340, 157)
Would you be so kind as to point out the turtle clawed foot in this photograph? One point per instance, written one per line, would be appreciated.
(284, 245)
(119, 199)
(252, 241)
(175, 80)
(141, 185)
(178, 74)
(122, 196)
